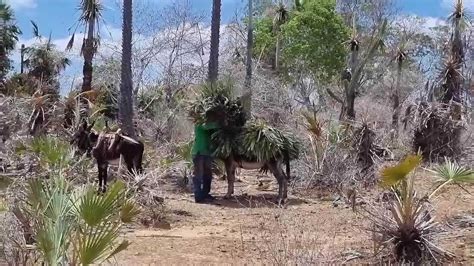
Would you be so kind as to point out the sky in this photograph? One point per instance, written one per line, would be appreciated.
(55, 17)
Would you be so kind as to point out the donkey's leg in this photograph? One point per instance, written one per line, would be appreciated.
(230, 171)
(104, 177)
(99, 177)
(282, 182)
(102, 171)
(138, 163)
(129, 162)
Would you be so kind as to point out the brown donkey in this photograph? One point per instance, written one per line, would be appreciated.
(107, 148)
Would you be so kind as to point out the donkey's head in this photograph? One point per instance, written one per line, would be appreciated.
(84, 138)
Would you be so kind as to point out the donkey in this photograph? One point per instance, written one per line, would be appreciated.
(108, 148)
(274, 166)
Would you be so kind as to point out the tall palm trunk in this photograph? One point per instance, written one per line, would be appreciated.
(126, 85)
(277, 51)
(88, 54)
(3, 52)
(396, 99)
(22, 59)
(247, 96)
(3, 64)
(215, 31)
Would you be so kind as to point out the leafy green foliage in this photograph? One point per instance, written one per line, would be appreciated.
(265, 40)
(8, 38)
(53, 153)
(312, 38)
(315, 37)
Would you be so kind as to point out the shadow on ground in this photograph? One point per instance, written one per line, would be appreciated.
(263, 200)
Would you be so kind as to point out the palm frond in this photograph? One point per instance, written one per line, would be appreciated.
(393, 175)
(94, 208)
(70, 44)
(313, 126)
(451, 172)
(35, 29)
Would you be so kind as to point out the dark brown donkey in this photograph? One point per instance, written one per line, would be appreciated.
(107, 148)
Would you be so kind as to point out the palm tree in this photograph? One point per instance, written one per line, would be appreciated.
(91, 14)
(281, 17)
(453, 79)
(247, 97)
(43, 61)
(215, 29)
(400, 57)
(8, 38)
(126, 85)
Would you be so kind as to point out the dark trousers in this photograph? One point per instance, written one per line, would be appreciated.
(202, 176)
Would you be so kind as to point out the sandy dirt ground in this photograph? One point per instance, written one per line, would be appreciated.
(251, 230)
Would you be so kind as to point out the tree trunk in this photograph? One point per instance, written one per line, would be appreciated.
(348, 110)
(396, 101)
(3, 52)
(3, 65)
(215, 29)
(88, 53)
(22, 58)
(247, 95)
(126, 84)
(277, 51)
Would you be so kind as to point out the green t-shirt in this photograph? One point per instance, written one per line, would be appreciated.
(202, 138)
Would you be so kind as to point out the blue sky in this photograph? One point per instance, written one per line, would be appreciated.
(57, 16)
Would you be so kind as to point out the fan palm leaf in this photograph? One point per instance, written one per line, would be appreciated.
(94, 208)
(450, 172)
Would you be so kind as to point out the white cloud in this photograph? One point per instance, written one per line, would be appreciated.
(17, 4)
(431, 22)
(468, 4)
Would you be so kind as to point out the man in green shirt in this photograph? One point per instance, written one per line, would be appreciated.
(202, 160)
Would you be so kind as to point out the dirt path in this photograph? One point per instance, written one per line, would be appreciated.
(250, 230)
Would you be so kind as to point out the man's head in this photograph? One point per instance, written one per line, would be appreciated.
(215, 116)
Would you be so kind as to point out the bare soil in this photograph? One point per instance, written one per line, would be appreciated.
(250, 229)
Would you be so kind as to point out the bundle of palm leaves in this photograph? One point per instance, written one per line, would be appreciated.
(255, 141)
(220, 108)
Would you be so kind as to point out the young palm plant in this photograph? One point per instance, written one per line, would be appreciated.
(451, 173)
(75, 225)
(66, 224)
(408, 227)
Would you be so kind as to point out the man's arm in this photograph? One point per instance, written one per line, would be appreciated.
(210, 125)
